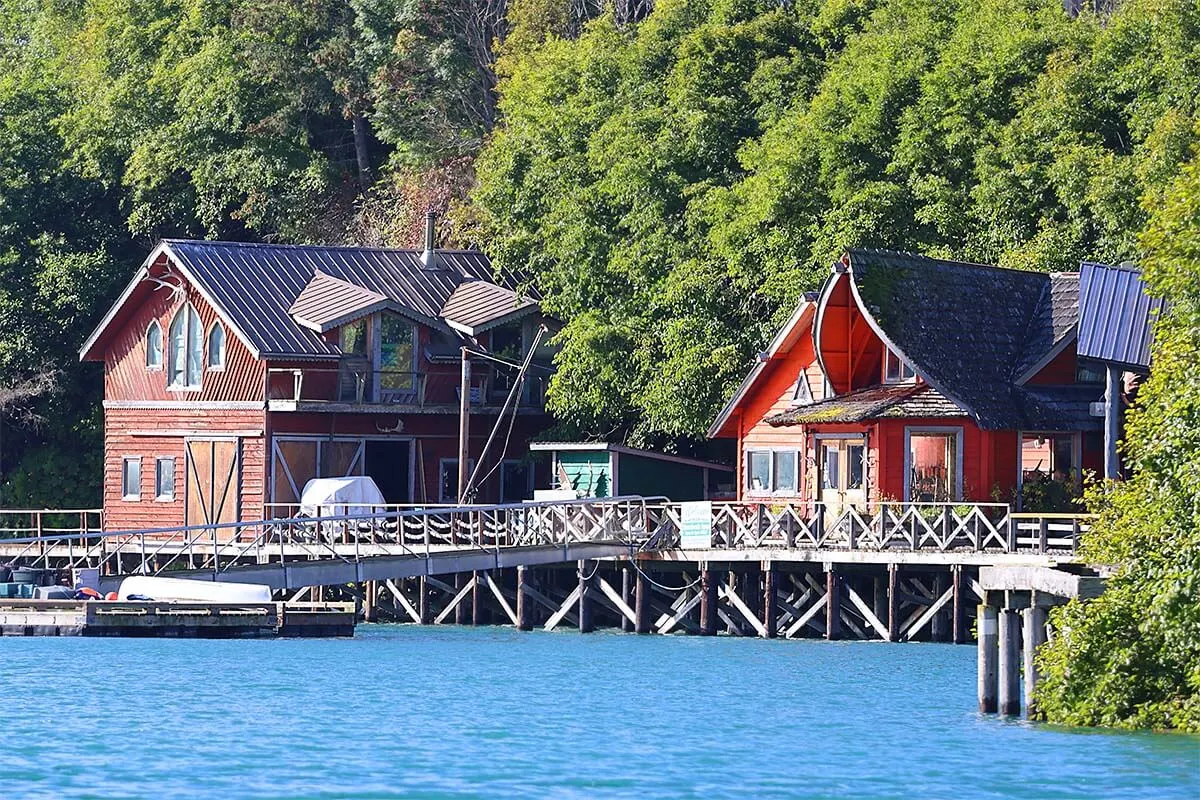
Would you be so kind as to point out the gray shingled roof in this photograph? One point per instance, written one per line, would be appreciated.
(964, 327)
(256, 284)
(873, 402)
(1054, 319)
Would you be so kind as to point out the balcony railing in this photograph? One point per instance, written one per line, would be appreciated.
(357, 385)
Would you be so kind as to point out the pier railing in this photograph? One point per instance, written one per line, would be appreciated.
(938, 527)
(413, 532)
(40, 522)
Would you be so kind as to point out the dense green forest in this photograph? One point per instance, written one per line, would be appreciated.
(670, 175)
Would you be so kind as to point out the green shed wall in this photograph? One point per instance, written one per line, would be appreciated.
(651, 477)
(587, 470)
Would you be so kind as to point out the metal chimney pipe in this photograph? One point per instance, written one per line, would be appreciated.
(430, 234)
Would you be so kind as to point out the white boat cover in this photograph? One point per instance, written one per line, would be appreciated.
(189, 591)
(340, 497)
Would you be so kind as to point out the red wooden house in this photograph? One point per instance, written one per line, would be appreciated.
(920, 380)
(234, 373)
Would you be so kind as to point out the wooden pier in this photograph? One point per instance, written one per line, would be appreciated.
(175, 620)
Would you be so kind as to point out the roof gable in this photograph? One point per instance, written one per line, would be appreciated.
(476, 306)
(962, 326)
(328, 302)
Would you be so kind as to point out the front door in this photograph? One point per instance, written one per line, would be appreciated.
(842, 479)
(213, 477)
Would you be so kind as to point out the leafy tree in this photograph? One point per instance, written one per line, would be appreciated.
(1131, 657)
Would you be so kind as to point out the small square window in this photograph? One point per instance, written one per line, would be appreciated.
(164, 479)
(760, 471)
(896, 370)
(784, 479)
(131, 478)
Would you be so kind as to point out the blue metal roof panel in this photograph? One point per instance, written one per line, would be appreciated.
(1116, 315)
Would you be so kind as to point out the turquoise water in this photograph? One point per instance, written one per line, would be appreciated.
(450, 712)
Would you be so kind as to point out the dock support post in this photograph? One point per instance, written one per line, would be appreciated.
(879, 598)
(937, 625)
(770, 601)
(524, 607)
(423, 612)
(1009, 662)
(460, 611)
(369, 611)
(586, 622)
(893, 603)
(988, 652)
(1035, 637)
(833, 603)
(476, 605)
(641, 604)
(958, 621)
(708, 602)
(627, 596)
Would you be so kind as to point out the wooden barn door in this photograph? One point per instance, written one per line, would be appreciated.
(213, 478)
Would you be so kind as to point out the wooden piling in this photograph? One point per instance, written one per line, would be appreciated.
(627, 596)
(587, 623)
(833, 603)
(476, 600)
(424, 613)
(1034, 637)
(641, 604)
(938, 629)
(708, 602)
(1009, 663)
(958, 617)
(370, 612)
(524, 602)
(460, 611)
(879, 598)
(988, 650)
(749, 586)
(893, 603)
(770, 604)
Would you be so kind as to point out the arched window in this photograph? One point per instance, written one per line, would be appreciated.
(154, 346)
(216, 347)
(186, 352)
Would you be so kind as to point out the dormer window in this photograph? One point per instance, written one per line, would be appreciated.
(896, 369)
(186, 352)
(154, 346)
(803, 394)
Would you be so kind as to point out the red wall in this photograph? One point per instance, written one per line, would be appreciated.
(125, 434)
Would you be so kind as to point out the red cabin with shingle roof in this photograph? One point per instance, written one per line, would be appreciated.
(920, 380)
(234, 373)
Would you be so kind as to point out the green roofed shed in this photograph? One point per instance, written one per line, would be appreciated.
(603, 469)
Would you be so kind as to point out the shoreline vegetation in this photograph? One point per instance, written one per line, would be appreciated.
(670, 176)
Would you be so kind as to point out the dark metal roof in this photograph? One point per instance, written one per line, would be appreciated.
(256, 284)
(327, 302)
(888, 400)
(477, 305)
(1116, 315)
(964, 327)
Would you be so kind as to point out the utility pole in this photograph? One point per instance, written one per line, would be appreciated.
(464, 427)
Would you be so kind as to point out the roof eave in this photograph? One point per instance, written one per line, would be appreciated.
(519, 312)
(1054, 352)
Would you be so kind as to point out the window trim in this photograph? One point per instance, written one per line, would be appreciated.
(798, 460)
(442, 462)
(1076, 452)
(888, 355)
(159, 497)
(909, 430)
(137, 493)
(154, 325)
(208, 365)
(188, 310)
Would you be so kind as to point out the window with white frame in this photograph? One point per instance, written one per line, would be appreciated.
(1049, 456)
(216, 347)
(803, 394)
(131, 478)
(896, 369)
(772, 471)
(164, 478)
(154, 353)
(186, 349)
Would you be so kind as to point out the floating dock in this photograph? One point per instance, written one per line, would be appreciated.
(151, 619)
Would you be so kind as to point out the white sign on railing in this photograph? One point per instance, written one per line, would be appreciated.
(695, 525)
